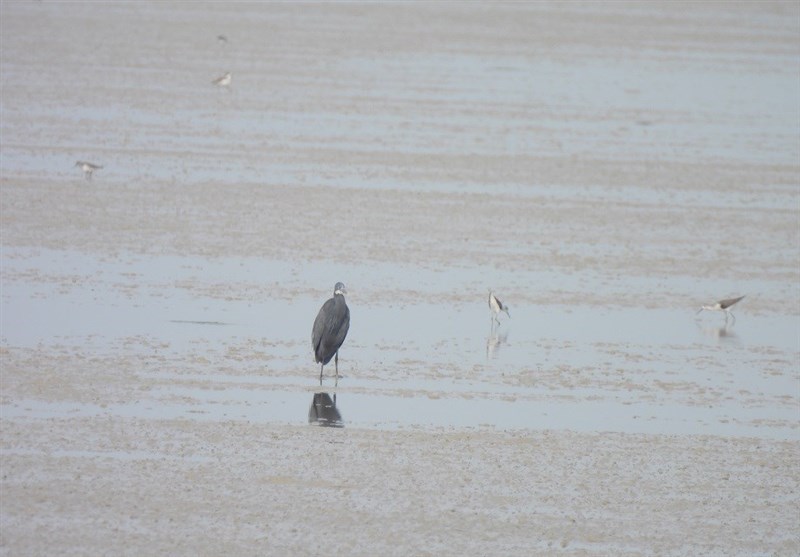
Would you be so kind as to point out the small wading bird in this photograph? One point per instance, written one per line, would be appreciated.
(496, 306)
(88, 168)
(723, 305)
(330, 329)
(223, 81)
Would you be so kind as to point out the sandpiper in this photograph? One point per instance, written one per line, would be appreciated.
(223, 81)
(222, 39)
(723, 305)
(496, 306)
(88, 168)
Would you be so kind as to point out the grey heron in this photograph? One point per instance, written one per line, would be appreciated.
(723, 305)
(330, 329)
(497, 306)
(88, 168)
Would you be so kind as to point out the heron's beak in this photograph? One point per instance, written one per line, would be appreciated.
(699, 310)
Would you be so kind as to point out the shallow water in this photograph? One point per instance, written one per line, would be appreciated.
(427, 364)
(605, 169)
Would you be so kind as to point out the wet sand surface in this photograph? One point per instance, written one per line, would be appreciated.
(606, 169)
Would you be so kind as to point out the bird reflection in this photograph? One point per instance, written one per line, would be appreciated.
(493, 342)
(720, 334)
(323, 411)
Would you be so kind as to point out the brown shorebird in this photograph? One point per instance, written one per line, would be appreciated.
(496, 306)
(723, 305)
(88, 168)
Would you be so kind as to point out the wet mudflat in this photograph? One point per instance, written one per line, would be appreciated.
(157, 375)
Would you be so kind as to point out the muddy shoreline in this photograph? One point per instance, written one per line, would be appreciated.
(607, 170)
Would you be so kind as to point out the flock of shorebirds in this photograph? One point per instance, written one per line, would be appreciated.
(333, 320)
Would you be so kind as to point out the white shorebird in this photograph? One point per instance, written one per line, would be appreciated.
(723, 305)
(88, 168)
(223, 81)
(497, 306)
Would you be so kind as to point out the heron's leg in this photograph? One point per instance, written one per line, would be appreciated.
(321, 367)
(336, 363)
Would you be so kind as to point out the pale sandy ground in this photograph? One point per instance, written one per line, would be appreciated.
(484, 143)
(180, 487)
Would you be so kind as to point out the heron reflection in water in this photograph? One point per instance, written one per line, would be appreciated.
(323, 411)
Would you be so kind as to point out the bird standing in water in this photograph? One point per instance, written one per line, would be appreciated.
(88, 168)
(330, 329)
(497, 306)
(723, 305)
